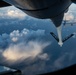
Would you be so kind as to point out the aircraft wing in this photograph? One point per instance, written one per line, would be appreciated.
(3, 4)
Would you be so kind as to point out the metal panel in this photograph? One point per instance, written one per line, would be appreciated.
(42, 8)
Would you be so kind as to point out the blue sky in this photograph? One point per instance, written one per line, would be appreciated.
(25, 49)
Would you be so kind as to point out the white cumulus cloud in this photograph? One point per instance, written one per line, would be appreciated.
(12, 12)
(23, 51)
(69, 16)
(19, 46)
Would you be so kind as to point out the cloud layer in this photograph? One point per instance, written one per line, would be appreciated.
(12, 13)
(19, 46)
(69, 16)
(25, 50)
